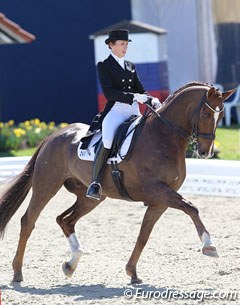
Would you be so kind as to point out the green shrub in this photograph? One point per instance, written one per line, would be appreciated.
(26, 134)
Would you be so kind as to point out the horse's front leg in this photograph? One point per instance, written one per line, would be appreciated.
(208, 248)
(150, 218)
(176, 201)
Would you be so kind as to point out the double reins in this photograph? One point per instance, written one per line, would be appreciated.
(192, 137)
(180, 131)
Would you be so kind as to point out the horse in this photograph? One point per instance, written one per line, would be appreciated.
(153, 174)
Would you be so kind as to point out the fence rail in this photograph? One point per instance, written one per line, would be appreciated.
(204, 177)
(11, 166)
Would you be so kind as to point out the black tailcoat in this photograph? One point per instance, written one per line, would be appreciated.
(118, 84)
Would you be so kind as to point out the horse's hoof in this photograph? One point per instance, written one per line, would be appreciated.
(67, 269)
(210, 251)
(17, 278)
(136, 281)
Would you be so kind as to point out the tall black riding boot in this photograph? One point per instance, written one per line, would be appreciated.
(94, 190)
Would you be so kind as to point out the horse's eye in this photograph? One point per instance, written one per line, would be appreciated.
(205, 115)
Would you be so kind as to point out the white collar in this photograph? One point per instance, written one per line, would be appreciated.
(119, 60)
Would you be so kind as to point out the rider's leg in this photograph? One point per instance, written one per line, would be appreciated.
(117, 115)
(94, 190)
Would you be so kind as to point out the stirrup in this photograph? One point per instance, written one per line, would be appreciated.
(94, 190)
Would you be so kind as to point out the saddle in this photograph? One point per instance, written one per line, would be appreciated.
(129, 128)
(128, 132)
(95, 126)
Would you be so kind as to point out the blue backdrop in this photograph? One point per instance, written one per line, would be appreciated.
(54, 77)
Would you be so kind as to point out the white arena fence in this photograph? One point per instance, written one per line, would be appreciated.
(11, 166)
(212, 178)
(204, 177)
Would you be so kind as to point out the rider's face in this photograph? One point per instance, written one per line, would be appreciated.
(119, 48)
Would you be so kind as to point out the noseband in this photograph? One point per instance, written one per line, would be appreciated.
(195, 134)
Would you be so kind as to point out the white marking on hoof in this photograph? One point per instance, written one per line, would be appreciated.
(67, 270)
(210, 251)
(208, 247)
(77, 252)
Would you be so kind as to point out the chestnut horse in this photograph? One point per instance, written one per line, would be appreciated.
(153, 174)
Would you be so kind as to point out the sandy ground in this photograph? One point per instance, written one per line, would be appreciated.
(171, 262)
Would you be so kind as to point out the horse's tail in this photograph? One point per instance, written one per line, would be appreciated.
(14, 195)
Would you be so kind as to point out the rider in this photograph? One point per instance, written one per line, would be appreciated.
(123, 90)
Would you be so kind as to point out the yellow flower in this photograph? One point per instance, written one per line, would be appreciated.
(10, 123)
(1, 124)
(43, 125)
(27, 123)
(37, 122)
(62, 125)
(19, 132)
(51, 124)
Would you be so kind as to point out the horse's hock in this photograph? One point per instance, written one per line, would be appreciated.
(204, 177)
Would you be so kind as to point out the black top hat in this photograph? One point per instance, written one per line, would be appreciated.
(117, 35)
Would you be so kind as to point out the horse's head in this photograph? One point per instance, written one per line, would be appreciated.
(211, 112)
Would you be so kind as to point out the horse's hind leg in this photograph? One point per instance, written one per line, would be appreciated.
(68, 219)
(38, 201)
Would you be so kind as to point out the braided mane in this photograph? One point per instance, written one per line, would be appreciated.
(191, 84)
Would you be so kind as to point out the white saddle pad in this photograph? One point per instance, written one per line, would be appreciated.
(88, 154)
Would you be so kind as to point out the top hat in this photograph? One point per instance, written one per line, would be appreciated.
(117, 35)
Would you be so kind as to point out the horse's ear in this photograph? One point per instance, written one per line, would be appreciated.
(227, 94)
(211, 92)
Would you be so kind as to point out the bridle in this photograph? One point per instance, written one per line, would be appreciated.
(195, 134)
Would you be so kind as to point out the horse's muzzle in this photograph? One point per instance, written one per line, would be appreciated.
(205, 155)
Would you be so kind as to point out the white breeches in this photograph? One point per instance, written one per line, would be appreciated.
(119, 113)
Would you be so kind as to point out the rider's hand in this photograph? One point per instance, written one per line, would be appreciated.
(156, 104)
(141, 98)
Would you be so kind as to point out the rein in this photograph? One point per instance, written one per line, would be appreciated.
(183, 133)
(192, 137)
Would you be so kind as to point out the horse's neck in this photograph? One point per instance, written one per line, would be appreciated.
(160, 137)
(181, 109)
